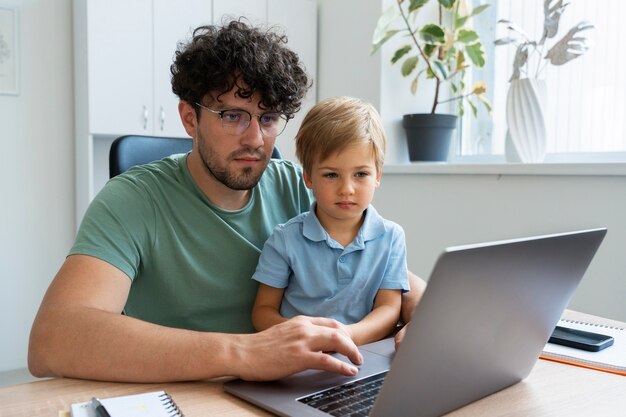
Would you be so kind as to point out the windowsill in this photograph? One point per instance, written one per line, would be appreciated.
(546, 168)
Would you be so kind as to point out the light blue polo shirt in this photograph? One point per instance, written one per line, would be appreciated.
(322, 278)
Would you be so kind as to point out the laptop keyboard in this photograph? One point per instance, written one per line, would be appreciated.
(354, 399)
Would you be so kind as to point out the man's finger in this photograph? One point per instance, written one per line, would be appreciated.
(331, 340)
(325, 362)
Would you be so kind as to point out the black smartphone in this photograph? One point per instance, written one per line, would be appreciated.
(580, 339)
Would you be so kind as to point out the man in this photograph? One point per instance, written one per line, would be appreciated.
(173, 244)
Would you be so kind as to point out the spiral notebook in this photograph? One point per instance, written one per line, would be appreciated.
(152, 404)
(611, 359)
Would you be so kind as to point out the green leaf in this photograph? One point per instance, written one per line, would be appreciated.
(376, 46)
(442, 69)
(467, 36)
(400, 53)
(382, 26)
(473, 106)
(485, 102)
(479, 9)
(448, 4)
(429, 49)
(432, 33)
(416, 4)
(460, 61)
(462, 20)
(476, 54)
(409, 66)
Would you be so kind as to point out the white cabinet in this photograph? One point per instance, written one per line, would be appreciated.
(122, 56)
(130, 45)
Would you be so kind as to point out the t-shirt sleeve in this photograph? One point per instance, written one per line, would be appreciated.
(396, 272)
(116, 226)
(273, 268)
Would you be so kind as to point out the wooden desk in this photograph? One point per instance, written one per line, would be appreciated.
(551, 389)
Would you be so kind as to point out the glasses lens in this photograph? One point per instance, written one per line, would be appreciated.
(272, 124)
(235, 121)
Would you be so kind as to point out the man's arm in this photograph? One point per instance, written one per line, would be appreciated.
(80, 332)
(410, 300)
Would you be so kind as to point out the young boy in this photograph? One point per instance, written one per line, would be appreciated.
(341, 259)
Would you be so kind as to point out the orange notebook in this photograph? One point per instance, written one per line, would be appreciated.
(612, 359)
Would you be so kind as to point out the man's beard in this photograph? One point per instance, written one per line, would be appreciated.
(245, 179)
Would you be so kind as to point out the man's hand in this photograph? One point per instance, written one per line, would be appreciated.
(296, 345)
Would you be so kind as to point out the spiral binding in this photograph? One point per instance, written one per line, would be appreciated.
(170, 406)
(603, 326)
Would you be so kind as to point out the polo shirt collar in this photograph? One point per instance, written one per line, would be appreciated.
(372, 227)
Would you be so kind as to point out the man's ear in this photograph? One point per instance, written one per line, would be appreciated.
(307, 180)
(188, 117)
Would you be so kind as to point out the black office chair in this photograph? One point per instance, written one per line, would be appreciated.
(130, 150)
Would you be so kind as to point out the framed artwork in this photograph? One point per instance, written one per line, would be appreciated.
(9, 71)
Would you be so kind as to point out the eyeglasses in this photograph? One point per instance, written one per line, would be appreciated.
(235, 122)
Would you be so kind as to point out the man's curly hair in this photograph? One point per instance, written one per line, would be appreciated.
(218, 58)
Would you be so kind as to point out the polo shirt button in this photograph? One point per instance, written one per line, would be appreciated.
(342, 259)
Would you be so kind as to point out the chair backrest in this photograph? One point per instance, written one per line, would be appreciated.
(130, 150)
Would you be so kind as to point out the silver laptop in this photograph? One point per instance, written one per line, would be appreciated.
(487, 313)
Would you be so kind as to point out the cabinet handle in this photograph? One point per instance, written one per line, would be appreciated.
(162, 118)
(145, 117)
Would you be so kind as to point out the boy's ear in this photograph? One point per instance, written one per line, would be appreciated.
(379, 175)
(307, 180)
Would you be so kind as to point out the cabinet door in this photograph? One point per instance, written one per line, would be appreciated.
(254, 10)
(174, 21)
(119, 49)
(299, 20)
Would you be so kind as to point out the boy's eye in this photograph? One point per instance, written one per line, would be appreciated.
(330, 175)
(362, 174)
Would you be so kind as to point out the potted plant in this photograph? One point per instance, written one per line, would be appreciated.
(526, 99)
(441, 52)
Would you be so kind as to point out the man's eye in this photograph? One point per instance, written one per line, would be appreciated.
(269, 118)
(232, 116)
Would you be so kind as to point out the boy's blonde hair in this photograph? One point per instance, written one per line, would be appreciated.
(336, 123)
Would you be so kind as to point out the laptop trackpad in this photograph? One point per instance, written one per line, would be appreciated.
(385, 347)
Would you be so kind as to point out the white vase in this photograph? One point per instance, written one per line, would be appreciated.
(525, 117)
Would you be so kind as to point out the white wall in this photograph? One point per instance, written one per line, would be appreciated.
(36, 174)
(445, 210)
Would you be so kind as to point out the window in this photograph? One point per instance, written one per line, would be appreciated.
(586, 108)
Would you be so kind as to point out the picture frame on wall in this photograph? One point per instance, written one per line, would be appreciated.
(9, 53)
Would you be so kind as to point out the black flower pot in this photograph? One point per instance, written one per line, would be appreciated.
(429, 135)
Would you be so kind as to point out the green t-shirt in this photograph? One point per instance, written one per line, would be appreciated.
(190, 262)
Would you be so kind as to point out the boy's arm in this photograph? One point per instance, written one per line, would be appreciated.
(381, 321)
(266, 309)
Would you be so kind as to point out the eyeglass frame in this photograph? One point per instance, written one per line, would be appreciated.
(221, 113)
